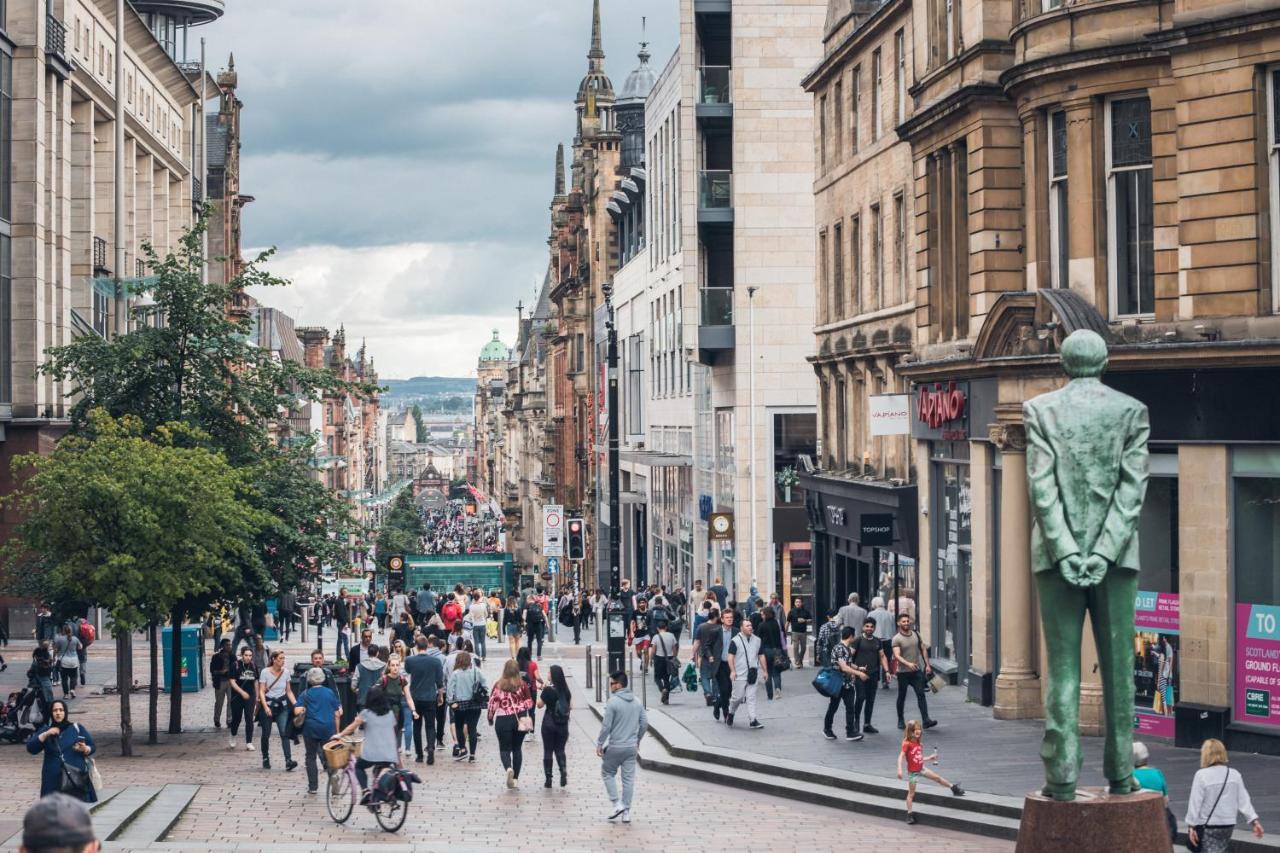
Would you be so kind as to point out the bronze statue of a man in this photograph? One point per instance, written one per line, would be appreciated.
(1087, 475)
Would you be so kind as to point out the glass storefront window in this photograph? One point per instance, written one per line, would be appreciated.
(1257, 617)
(1156, 620)
(952, 540)
(794, 434)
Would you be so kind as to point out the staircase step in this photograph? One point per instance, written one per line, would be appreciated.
(14, 841)
(155, 819)
(116, 813)
(683, 744)
(954, 816)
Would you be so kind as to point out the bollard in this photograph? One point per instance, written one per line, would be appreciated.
(599, 686)
(306, 620)
(589, 680)
(644, 689)
(599, 618)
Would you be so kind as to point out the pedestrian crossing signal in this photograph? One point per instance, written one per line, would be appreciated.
(577, 539)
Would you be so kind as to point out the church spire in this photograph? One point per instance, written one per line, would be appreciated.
(596, 54)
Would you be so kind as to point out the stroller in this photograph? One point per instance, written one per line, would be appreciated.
(22, 715)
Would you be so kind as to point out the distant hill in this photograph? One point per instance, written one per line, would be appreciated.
(440, 394)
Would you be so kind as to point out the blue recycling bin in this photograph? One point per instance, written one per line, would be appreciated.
(192, 672)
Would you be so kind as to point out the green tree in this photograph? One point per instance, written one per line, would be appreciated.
(134, 524)
(402, 528)
(199, 367)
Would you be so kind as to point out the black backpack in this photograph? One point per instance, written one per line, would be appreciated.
(533, 614)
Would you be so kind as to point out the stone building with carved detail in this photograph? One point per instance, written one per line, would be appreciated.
(1108, 165)
(866, 292)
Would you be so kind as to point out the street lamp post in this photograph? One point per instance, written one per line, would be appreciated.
(617, 637)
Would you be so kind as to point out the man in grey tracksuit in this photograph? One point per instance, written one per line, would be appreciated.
(620, 733)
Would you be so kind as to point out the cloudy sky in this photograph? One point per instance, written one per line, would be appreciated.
(401, 154)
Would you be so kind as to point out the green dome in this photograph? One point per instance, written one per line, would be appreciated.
(495, 350)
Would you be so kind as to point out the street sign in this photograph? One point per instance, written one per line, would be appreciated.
(553, 565)
(553, 530)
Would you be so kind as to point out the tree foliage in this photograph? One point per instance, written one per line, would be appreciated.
(402, 528)
(421, 434)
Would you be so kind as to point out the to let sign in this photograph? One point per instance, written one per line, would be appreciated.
(875, 530)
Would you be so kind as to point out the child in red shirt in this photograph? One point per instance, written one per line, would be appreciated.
(913, 753)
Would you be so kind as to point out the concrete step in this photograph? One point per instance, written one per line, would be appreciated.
(114, 815)
(990, 815)
(14, 841)
(157, 817)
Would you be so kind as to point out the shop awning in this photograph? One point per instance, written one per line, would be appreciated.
(836, 505)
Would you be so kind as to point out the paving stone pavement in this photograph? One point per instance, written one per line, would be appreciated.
(464, 807)
(976, 750)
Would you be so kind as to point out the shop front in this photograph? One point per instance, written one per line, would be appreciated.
(864, 540)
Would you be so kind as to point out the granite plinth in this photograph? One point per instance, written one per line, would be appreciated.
(1094, 822)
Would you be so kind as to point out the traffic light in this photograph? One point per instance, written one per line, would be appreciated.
(577, 544)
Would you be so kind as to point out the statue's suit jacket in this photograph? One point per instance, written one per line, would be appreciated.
(1087, 473)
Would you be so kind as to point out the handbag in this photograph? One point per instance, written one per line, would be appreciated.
(1200, 827)
(72, 780)
(781, 661)
(937, 682)
(524, 723)
(829, 682)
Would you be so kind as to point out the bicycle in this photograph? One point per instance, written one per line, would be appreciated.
(341, 791)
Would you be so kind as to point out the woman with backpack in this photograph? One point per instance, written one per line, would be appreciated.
(396, 688)
(510, 704)
(466, 695)
(66, 655)
(512, 624)
(556, 700)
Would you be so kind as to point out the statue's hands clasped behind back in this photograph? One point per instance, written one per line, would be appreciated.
(1082, 571)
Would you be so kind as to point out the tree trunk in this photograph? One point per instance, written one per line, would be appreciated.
(153, 697)
(124, 680)
(175, 670)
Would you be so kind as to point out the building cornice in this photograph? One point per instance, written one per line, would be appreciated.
(875, 23)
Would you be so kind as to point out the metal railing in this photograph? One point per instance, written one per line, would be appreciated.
(715, 189)
(55, 37)
(717, 306)
(715, 84)
(100, 256)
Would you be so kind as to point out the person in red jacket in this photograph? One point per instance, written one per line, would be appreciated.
(450, 613)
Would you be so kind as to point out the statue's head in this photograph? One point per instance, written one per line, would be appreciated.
(1084, 354)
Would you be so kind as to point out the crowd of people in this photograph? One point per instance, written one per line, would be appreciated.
(452, 530)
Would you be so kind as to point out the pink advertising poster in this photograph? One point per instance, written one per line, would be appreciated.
(1155, 666)
(1257, 691)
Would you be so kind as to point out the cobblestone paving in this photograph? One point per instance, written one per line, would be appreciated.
(464, 807)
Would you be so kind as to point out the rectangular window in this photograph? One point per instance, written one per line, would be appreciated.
(1256, 526)
(900, 75)
(952, 27)
(855, 108)
(877, 256)
(875, 95)
(635, 386)
(855, 263)
(842, 420)
(837, 272)
(838, 118)
(900, 244)
(824, 284)
(580, 354)
(822, 133)
(1059, 223)
(1129, 202)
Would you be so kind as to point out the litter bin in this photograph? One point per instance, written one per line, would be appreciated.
(192, 669)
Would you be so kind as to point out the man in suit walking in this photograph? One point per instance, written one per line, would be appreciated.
(1087, 477)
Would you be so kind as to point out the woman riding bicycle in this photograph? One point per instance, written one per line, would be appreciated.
(381, 747)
